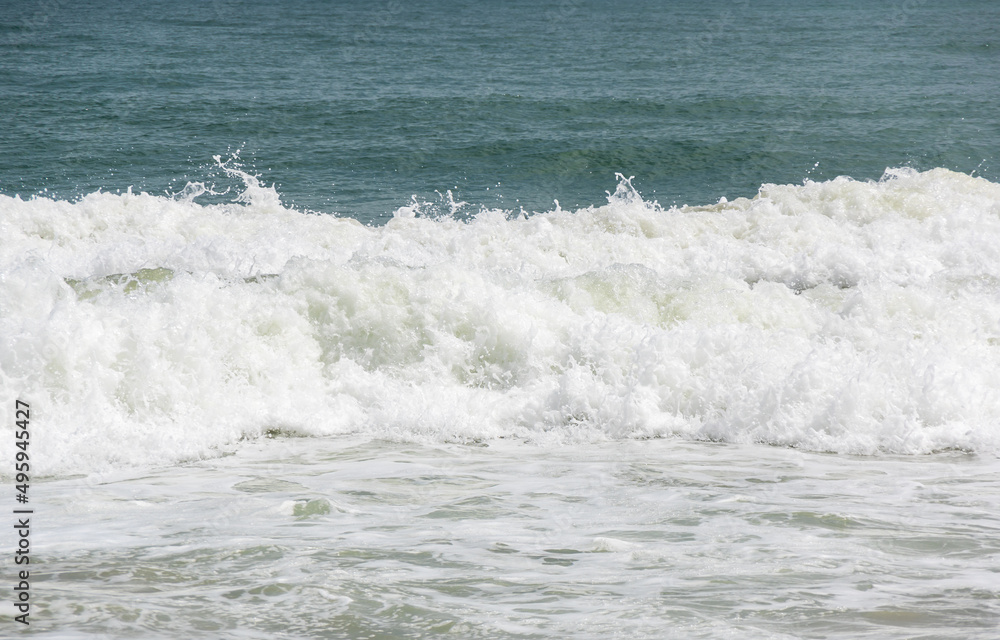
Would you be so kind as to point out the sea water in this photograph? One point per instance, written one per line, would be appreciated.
(354, 107)
(772, 417)
(336, 321)
(355, 538)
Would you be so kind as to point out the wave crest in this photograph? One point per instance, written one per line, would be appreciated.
(845, 316)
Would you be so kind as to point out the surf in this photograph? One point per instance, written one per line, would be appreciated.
(846, 316)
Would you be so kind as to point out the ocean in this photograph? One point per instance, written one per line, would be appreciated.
(526, 320)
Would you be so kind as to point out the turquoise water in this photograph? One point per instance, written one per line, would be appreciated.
(355, 107)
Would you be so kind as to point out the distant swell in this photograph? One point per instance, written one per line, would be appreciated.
(842, 316)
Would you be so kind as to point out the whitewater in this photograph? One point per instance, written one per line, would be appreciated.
(838, 316)
(774, 417)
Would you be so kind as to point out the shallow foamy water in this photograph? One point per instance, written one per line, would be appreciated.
(329, 538)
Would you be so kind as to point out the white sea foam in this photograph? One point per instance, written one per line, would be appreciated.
(845, 316)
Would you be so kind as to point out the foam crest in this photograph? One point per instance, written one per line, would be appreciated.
(844, 316)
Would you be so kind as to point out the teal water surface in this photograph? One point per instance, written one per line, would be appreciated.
(355, 107)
